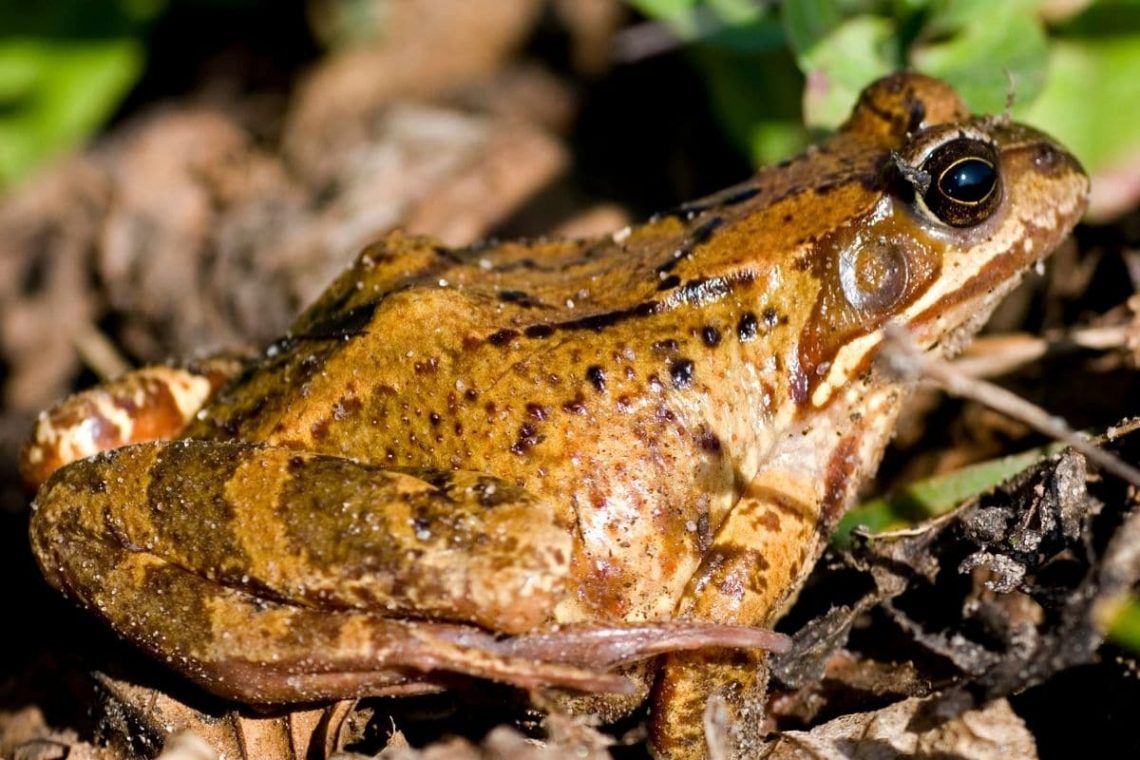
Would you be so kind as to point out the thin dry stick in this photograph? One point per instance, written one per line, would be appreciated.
(99, 353)
(904, 359)
(992, 355)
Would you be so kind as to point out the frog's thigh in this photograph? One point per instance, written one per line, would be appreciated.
(306, 530)
(146, 404)
(746, 578)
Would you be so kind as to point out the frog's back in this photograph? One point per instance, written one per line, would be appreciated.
(450, 363)
(436, 330)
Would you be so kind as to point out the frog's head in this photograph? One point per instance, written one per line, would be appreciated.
(965, 205)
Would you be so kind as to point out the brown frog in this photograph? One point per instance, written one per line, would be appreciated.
(535, 461)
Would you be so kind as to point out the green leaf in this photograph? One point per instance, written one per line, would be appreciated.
(981, 48)
(807, 22)
(737, 25)
(1121, 622)
(682, 16)
(934, 496)
(1092, 99)
(55, 92)
(844, 61)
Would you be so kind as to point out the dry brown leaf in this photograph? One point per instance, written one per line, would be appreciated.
(993, 732)
(505, 743)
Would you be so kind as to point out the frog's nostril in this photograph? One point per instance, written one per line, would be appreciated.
(1051, 160)
(1046, 157)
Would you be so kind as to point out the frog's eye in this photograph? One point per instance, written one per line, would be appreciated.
(873, 275)
(965, 185)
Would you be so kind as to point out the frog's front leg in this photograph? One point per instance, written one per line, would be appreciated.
(271, 575)
(146, 404)
(745, 578)
(758, 561)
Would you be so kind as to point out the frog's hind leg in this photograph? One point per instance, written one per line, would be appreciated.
(271, 575)
(275, 575)
(255, 651)
(146, 404)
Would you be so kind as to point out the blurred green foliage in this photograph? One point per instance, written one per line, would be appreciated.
(64, 67)
(1120, 620)
(1072, 68)
(770, 67)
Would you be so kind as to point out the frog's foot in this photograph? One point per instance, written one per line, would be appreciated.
(349, 654)
(147, 404)
(603, 647)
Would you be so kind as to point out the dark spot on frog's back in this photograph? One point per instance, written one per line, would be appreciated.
(539, 331)
(694, 209)
(710, 336)
(699, 236)
(746, 327)
(528, 438)
(681, 370)
(502, 337)
(740, 196)
(597, 377)
(320, 429)
(520, 298)
(599, 322)
(576, 405)
(427, 366)
(705, 231)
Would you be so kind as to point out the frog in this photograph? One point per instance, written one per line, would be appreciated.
(598, 470)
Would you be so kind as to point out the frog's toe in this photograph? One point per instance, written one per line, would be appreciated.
(603, 647)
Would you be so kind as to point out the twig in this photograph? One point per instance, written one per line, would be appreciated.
(906, 360)
(99, 353)
(993, 355)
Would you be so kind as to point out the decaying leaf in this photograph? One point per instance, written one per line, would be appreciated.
(976, 605)
(993, 732)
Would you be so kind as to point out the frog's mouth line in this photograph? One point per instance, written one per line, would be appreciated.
(987, 286)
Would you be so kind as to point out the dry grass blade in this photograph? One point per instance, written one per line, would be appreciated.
(904, 359)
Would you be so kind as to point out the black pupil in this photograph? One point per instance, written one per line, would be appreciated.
(968, 181)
